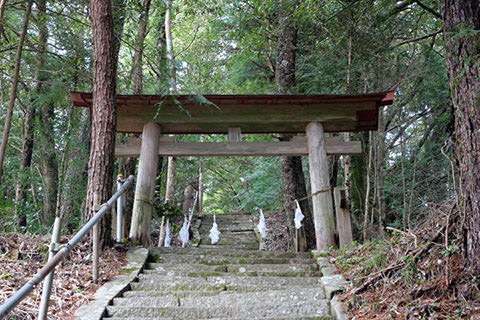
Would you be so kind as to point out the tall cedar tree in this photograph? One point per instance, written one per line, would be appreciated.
(292, 173)
(104, 113)
(45, 117)
(462, 26)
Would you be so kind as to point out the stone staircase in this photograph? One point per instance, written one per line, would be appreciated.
(229, 280)
(237, 232)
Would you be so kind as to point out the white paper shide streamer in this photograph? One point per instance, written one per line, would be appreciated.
(214, 232)
(184, 234)
(298, 216)
(261, 226)
(167, 234)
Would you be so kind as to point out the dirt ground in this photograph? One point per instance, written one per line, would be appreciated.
(22, 255)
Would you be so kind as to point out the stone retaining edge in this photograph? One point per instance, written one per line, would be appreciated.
(95, 309)
(333, 285)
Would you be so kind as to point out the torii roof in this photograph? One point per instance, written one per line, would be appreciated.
(252, 113)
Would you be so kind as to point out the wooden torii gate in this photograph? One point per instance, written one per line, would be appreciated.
(235, 114)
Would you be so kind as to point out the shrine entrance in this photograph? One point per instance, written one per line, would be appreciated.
(313, 115)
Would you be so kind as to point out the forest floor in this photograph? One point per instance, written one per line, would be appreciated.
(413, 274)
(22, 255)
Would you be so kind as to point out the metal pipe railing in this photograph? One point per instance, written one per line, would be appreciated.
(24, 291)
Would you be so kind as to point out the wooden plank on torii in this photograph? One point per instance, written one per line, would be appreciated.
(297, 147)
(210, 114)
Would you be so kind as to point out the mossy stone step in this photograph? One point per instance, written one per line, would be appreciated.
(245, 311)
(247, 246)
(152, 281)
(282, 270)
(262, 318)
(221, 260)
(228, 252)
(292, 297)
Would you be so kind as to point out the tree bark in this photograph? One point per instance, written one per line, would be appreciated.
(292, 173)
(138, 54)
(380, 173)
(27, 151)
(463, 49)
(46, 116)
(3, 5)
(104, 114)
(137, 72)
(13, 90)
(169, 43)
(162, 61)
(170, 188)
(77, 171)
(172, 161)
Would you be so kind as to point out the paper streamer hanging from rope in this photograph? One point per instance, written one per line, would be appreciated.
(214, 232)
(184, 234)
(167, 234)
(298, 216)
(261, 226)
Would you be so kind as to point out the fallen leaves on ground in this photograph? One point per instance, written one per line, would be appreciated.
(22, 255)
(412, 274)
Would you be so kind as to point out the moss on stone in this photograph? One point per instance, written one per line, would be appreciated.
(205, 274)
(127, 270)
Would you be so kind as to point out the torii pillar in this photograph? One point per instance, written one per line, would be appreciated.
(323, 216)
(145, 186)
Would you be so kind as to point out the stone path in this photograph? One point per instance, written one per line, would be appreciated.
(230, 280)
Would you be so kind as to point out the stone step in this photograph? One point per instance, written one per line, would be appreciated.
(246, 246)
(233, 283)
(284, 270)
(247, 243)
(229, 252)
(229, 318)
(273, 308)
(226, 225)
(210, 259)
(265, 298)
(233, 235)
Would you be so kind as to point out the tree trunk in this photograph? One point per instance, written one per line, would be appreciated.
(130, 169)
(463, 50)
(380, 173)
(27, 151)
(3, 5)
(162, 61)
(137, 67)
(172, 161)
(169, 43)
(292, 173)
(13, 90)
(77, 171)
(104, 114)
(367, 192)
(139, 42)
(170, 188)
(45, 116)
(188, 198)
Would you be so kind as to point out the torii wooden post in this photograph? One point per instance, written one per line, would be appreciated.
(323, 217)
(145, 186)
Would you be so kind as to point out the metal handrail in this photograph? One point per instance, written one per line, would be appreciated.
(21, 294)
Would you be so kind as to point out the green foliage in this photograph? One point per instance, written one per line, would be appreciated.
(229, 47)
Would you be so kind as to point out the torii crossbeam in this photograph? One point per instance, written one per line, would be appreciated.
(232, 114)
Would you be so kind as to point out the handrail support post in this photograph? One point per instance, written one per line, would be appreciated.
(47, 285)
